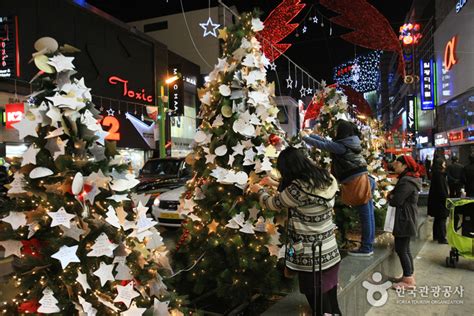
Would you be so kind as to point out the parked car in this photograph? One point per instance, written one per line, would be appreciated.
(159, 175)
(165, 208)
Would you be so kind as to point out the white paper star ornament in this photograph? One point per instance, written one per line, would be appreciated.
(61, 217)
(61, 62)
(126, 294)
(30, 155)
(134, 310)
(15, 219)
(12, 248)
(160, 308)
(82, 280)
(26, 128)
(66, 255)
(104, 273)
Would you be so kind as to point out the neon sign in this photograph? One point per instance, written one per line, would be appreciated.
(455, 136)
(132, 94)
(459, 5)
(427, 85)
(176, 92)
(450, 58)
(114, 124)
(13, 113)
(410, 33)
(9, 51)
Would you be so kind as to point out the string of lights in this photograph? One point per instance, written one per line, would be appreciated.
(360, 73)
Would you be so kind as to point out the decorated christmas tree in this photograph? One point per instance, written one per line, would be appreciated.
(81, 240)
(229, 244)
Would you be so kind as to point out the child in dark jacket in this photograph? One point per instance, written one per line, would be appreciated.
(405, 198)
(348, 163)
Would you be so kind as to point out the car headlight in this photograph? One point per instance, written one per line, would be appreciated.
(156, 202)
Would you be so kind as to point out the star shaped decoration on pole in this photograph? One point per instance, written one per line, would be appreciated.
(289, 82)
(110, 112)
(273, 66)
(315, 19)
(210, 28)
(309, 91)
(304, 29)
(303, 91)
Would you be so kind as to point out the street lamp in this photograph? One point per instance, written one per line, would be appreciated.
(162, 115)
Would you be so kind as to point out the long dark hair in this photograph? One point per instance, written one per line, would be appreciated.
(438, 165)
(346, 129)
(293, 164)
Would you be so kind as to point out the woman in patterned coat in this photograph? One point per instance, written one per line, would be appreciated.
(307, 192)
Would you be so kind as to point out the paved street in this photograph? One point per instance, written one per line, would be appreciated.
(430, 271)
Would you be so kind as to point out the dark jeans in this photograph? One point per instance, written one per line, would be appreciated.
(439, 229)
(367, 221)
(402, 248)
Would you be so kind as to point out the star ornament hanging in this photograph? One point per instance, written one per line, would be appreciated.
(210, 28)
(289, 83)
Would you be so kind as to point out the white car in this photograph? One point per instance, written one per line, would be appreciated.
(165, 208)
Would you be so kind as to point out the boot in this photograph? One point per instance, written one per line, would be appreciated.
(406, 283)
(397, 279)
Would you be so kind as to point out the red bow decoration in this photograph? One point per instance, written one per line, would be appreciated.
(31, 247)
(356, 98)
(274, 139)
(314, 109)
(371, 28)
(277, 27)
(30, 306)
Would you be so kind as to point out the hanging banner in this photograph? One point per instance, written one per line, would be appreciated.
(176, 92)
(9, 52)
(427, 85)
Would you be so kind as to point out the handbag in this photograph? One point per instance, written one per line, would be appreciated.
(389, 219)
(357, 191)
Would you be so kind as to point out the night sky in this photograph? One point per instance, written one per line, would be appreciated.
(316, 51)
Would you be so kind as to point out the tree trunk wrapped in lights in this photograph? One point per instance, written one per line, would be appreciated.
(229, 244)
(83, 241)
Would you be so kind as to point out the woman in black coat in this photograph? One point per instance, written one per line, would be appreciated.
(405, 198)
(437, 200)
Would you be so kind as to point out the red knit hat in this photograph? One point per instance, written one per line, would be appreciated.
(413, 169)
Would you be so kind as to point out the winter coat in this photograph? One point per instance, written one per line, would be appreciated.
(404, 198)
(310, 216)
(438, 195)
(469, 174)
(346, 154)
(455, 173)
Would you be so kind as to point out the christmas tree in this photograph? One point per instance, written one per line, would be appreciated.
(229, 244)
(82, 240)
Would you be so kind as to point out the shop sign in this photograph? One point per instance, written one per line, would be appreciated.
(422, 140)
(427, 85)
(441, 139)
(411, 127)
(133, 95)
(13, 113)
(460, 4)
(450, 58)
(9, 52)
(455, 136)
(176, 92)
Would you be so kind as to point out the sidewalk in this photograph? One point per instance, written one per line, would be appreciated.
(431, 271)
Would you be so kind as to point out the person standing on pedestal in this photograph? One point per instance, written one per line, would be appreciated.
(348, 164)
(437, 200)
